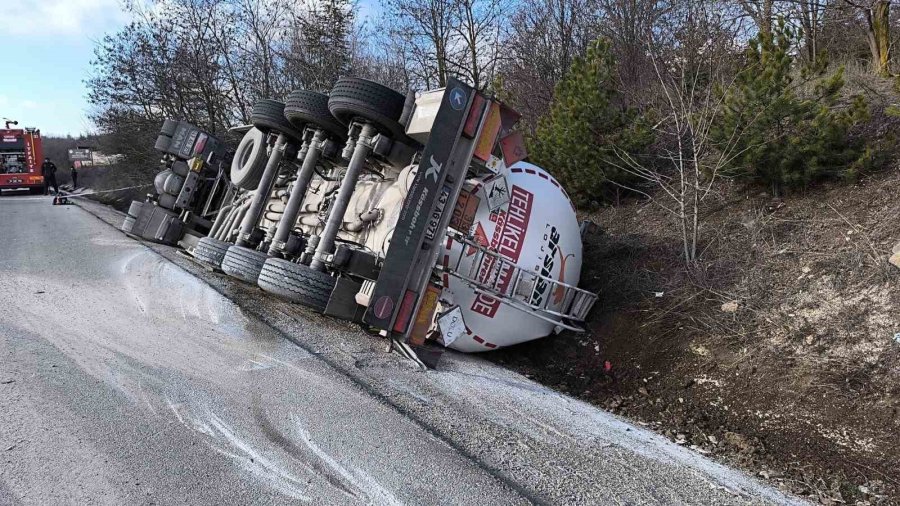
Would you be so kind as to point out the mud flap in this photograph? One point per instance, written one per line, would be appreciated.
(428, 354)
(342, 303)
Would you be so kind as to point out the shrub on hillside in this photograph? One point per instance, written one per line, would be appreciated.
(786, 138)
(579, 138)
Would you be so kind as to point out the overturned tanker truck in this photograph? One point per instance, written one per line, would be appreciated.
(413, 215)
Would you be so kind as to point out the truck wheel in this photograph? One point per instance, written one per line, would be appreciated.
(353, 97)
(249, 160)
(211, 251)
(297, 283)
(243, 263)
(311, 108)
(269, 115)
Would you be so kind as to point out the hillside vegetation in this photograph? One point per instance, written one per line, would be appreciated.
(779, 352)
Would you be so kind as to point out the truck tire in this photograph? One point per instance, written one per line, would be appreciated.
(243, 263)
(211, 251)
(311, 108)
(249, 161)
(353, 98)
(297, 283)
(269, 115)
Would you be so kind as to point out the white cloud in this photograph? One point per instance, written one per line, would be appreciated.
(59, 17)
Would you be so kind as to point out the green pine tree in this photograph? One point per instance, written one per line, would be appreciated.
(783, 140)
(322, 49)
(577, 140)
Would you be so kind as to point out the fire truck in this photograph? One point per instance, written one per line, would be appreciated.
(21, 154)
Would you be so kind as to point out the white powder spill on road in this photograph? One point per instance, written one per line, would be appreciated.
(225, 439)
(360, 480)
(208, 334)
(208, 337)
(259, 465)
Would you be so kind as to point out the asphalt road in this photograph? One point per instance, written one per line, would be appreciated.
(128, 375)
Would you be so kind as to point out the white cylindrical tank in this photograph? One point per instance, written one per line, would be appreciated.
(536, 230)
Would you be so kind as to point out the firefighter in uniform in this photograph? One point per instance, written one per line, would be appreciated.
(49, 169)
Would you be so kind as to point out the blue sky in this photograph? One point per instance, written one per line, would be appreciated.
(48, 46)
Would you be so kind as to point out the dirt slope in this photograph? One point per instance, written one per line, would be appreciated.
(778, 354)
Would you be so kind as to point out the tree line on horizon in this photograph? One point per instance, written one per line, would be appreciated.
(656, 98)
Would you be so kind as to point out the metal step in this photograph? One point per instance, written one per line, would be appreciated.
(491, 274)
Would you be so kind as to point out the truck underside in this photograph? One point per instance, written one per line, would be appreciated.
(413, 216)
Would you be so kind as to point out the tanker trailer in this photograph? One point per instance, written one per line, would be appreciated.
(467, 244)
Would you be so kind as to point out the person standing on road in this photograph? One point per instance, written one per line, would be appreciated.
(49, 170)
(74, 173)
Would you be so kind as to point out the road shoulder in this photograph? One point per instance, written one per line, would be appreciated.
(547, 446)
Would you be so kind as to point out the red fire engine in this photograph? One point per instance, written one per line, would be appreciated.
(21, 155)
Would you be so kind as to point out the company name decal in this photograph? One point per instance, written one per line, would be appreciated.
(29, 152)
(416, 214)
(508, 239)
(546, 268)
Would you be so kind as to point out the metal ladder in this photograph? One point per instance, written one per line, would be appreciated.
(493, 275)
